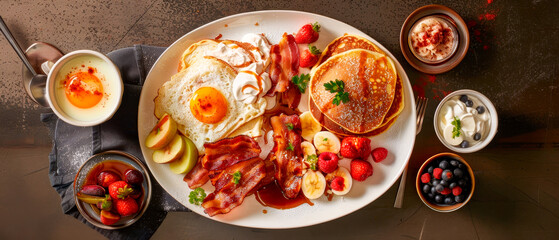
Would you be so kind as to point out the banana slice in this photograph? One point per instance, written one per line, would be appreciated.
(326, 142)
(313, 185)
(344, 173)
(308, 149)
(309, 126)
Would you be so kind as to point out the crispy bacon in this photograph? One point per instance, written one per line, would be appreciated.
(229, 151)
(197, 177)
(227, 194)
(284, 63)
(288, 153)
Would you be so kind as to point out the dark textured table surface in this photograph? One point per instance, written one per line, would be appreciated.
(513, 59)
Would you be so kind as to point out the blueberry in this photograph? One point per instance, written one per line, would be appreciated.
(435, 182)
(461, 166)
(458, 173)
(452, 185)
(454, 163)
(462, 183)
(447, 175)
(477, 136)
(464, 144)
(426, 188)
(480, 109)
(444, 183)
(433, 190)
(430, 170)
(439, 198)
(431, 195)
(464, 98)
(439, 188)
(469, 103)
(448, 200)
(459, 198)
(444, 164)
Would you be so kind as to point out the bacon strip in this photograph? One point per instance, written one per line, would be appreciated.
(288, 153)
(227, 152)
(284, 63)
(227, 194)
(197, 177)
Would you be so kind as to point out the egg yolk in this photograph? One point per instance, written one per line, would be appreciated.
(83, 89)
(208, 105)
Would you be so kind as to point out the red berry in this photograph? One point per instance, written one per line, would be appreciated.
(308, 33)
(120, 190)
(126, 207)
(327, 162)
(360, 170)
(379, 154)
(355, 147)
(109, 218)
(105, 178)
(456, 190)
(437, 173)
(425, 178)
(337, 184)
(445, 191)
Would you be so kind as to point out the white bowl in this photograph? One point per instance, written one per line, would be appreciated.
(112, 80)
(493, 121)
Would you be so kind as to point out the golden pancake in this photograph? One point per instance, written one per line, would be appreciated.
(370, 81)
(346, 43)
(391, 116)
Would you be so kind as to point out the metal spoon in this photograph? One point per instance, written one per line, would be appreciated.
(37, 85)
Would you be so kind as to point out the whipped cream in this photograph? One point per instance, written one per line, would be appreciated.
(231, 53)
(249, 85)
(472, 121)
(433, 39)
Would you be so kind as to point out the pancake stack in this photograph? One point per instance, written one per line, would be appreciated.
(375, 90)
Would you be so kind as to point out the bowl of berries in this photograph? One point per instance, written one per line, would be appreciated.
(112, 190)
(445, 182)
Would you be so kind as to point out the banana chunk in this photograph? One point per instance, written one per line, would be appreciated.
(313, 185)
(309, 126)
(326, 142)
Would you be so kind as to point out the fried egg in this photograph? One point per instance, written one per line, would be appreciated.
(200, 99)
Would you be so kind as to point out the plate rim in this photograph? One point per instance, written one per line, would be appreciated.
(407, 91)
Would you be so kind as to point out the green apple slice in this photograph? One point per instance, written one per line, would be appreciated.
(188, 159)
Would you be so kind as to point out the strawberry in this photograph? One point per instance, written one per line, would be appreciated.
(360, 170)
(105, 178)
(120, 190)
(109, 218)
(309, 57)
(308, 33)
(379, 154)
(327, 162)
(356, 147)
(126, 207)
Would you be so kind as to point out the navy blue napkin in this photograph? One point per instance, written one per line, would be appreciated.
(72, 145)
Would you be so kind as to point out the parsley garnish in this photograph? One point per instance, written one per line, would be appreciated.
(325, 139)
(457, 127)
(337, 86)
(236, 177)
(312, 160)
(289, 126)
(301, 81)
(197, 196)
(290, 147)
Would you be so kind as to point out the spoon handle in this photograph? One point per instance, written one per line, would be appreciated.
(16, 47)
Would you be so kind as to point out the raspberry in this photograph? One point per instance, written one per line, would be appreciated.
(360, 170)
(437, 173)
(379, 154)
(327, 162)
(425, 178)
(337, 184)
(445, 191)
(456, 191)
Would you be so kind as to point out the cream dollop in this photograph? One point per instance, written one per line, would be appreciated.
(231, 53)
(248, 86)
(471, 121)
(433, 39)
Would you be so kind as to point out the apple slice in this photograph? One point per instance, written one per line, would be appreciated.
(109, 218)
(188, 159)
(171, 152)
(162, 133)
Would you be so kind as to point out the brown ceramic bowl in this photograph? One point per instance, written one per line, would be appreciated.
(457, 23)
(442, 207)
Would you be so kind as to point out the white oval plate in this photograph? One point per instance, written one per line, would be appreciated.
(399, 139)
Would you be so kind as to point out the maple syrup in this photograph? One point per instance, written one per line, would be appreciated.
(272, 196)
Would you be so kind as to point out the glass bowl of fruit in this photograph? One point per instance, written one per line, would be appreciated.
(112, 189)
(445, 182)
